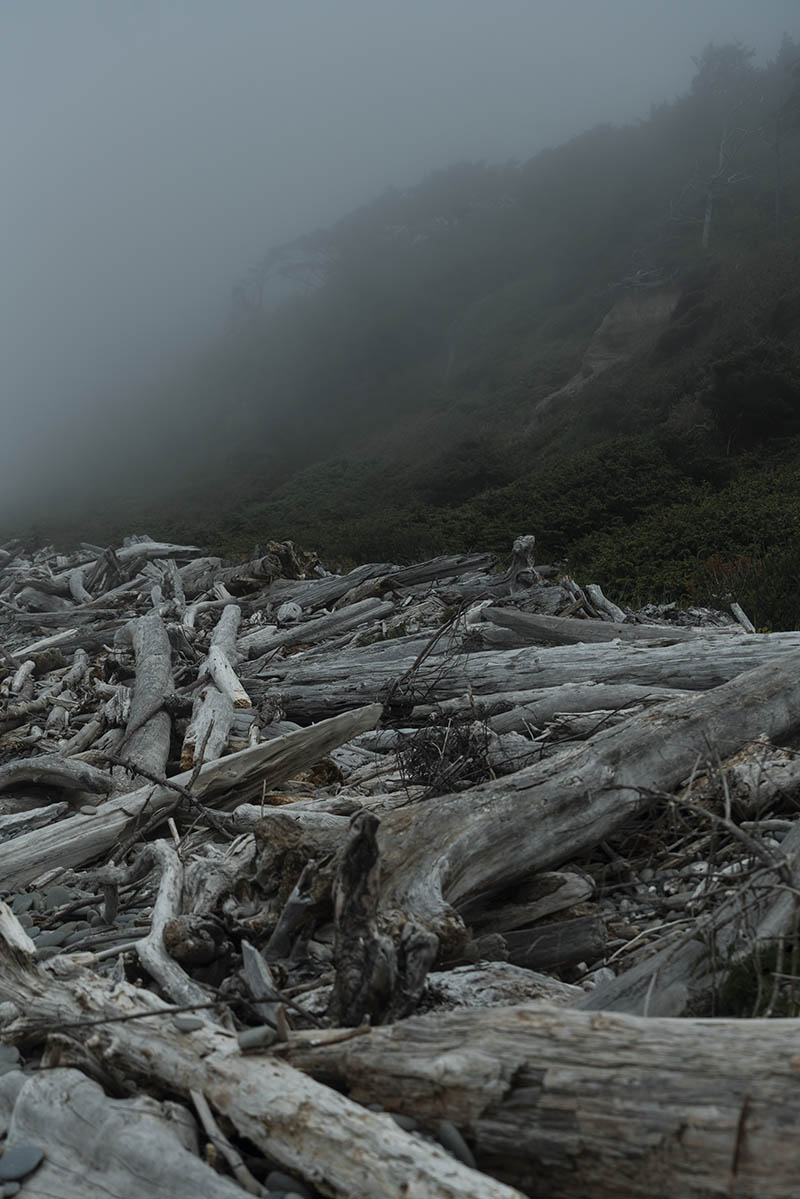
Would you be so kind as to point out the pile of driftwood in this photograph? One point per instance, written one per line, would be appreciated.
(390, 883)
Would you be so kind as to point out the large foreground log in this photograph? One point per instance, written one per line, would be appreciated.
(307, 1128)
(562, 1103)
(442, 852)
(81, 838)
(97, 1146)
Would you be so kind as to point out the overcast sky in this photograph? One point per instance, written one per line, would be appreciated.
(153, 149)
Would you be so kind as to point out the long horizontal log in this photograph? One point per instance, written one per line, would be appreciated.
(341, 1148)
(563, 1103)
(534, 629)
(82, 837)
(327, 684)
(508, 711)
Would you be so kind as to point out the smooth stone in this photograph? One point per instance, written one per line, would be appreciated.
(407, 1123)
(184, 1022)
(11, 1188)
(57, 896)
(453, 1141)
(51, 936)
(76, 937)
(276, 1180)
(22, 903)
(257, 1038)
(19, 1161)
(88, 810)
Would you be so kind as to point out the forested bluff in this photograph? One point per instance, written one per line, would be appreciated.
(601, 345)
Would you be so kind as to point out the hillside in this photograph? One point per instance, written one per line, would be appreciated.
(600, 345)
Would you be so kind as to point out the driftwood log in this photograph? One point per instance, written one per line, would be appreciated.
(562, 1103)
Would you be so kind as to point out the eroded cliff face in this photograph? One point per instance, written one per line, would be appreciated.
(635, 319)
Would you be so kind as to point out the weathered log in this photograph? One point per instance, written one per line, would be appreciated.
(494, 984)
(444, 852)
(336, 1145)
(147, 733)
(152, 953)
(209, 727)
(226, 680)
(606, 609)
(532, 629)
(563, 1103)
(532, 900)
(95, 1145)
(213, 708)
(83, 837)
(263, 641)
(52, 770)
(558, 945)
(517, 711)
(321, 685)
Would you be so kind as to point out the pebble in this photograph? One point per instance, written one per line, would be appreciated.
(407, 1123)
(88, 810)
(57, 896)
(185, 1022)
(276, 1180)
(19, 1161)
(257, 1038)
(22, 903)
(52, 936)
(11, 1188)
(453, 1141)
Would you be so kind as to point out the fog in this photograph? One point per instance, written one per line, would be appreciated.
(152, 151)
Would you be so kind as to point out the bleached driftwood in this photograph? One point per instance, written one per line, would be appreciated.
(328, 683)
(52, 770)
(225, 678)
(446, 851)
(82, 837)
(147, 733)
(209, 727)
(312, 631)
(97, 1145)
(181, 989)
(564, 1103)
(516, 711)
(306, 1127)
(603, 605)
(213, 707)
(531, 628)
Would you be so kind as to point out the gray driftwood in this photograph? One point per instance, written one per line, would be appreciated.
(563, 1103)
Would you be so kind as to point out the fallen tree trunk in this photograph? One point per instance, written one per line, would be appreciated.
(562, 1103)
(82, 838)
(514, 711)
(326, 684)
(442, 852)
(534, 629)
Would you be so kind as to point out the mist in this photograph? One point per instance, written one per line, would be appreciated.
(154, 151)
